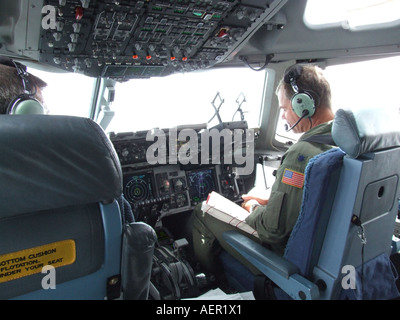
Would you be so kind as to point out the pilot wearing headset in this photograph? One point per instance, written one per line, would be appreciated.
(20, 91)
(305, 100)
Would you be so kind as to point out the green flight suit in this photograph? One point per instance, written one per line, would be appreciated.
(273, 222)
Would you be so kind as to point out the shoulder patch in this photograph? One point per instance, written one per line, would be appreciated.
(301, 158)
(293, 178)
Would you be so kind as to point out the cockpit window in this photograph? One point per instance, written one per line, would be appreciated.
(163, 102)
(187, 99)
(365, 85)
(66, 93)
(361, 85)
(352, 14)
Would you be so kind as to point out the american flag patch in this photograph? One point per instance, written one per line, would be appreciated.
(293, 178)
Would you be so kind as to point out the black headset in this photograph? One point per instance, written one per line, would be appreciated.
(24, 103)
(302, 101)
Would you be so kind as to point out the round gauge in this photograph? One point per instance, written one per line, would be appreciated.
(137, 189)
(181, 200)
(179, 184)
(124, 152)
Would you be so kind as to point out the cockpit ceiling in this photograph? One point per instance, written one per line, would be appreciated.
(122, 39)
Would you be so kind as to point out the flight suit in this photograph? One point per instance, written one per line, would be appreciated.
(273, 222)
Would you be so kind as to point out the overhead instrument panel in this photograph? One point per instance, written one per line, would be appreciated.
(124, 39)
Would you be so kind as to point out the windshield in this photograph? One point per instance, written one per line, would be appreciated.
(166, 102)
(188, 98)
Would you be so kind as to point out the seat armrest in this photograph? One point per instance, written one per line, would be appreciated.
(258, 255)
(138, 244)
(279, 270)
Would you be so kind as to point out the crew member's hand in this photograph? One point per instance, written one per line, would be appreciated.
(247, 197)
(248, 204)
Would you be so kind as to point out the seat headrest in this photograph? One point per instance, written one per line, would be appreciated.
(49, 162)
(364, 131)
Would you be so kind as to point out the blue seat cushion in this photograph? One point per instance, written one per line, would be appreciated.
(319, 173)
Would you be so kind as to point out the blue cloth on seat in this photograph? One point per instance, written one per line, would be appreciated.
(375, 280)
(299, 249)
(126, 210)
(318, 175)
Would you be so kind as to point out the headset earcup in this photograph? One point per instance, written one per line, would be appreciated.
(25, 105)
(302, 102)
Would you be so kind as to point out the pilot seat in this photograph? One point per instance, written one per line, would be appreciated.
(65, 229)
(341, 245)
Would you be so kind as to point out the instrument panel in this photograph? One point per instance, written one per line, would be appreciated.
(156, 190)
(169, 189)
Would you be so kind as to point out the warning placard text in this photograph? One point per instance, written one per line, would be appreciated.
(30, 261)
